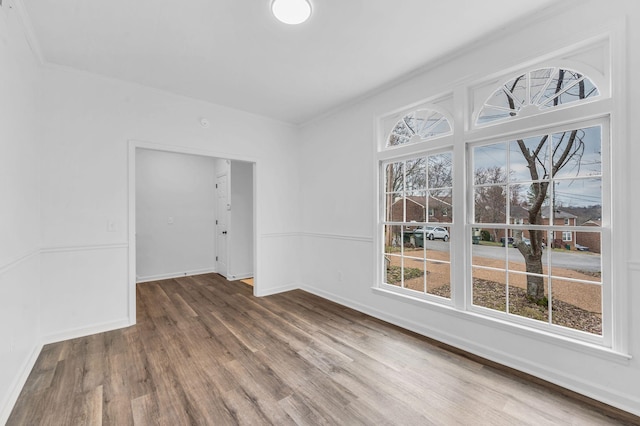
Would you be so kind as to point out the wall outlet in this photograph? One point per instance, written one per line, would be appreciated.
(339, 276)
(170, 220)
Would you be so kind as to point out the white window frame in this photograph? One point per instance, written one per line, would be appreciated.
(388, 154)
(564, 236)
(549, 127)
(610, 107)
(420, 149)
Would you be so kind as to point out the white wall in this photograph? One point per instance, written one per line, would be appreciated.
(175, 214)
(240, 235)
(19, 215)
(64, 249)
(338, 217)
(88, 122)
(222, 166)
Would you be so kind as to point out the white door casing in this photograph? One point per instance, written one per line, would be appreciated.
(222, 222)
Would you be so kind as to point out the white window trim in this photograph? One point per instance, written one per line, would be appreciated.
(613, 101)
(425, 148)
(605, 340)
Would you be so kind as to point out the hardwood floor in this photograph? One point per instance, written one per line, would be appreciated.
(205, 351)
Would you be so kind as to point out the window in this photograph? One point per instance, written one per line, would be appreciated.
(534, 158)
(416, 252)
(419, 125)
(416, 185)
(544, 177)
(532, 185)
(538, 90)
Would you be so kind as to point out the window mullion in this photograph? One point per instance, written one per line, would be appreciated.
(460, 237)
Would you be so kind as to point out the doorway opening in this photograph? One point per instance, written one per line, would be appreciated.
(190, 212)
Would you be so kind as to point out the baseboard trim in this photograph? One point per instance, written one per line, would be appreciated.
(167, 276)
(18, 384)
(276, 290)
(85, 331)
(575, 384)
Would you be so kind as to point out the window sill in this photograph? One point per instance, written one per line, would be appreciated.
(540, 335)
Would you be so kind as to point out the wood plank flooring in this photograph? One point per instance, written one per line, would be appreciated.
(205, 351)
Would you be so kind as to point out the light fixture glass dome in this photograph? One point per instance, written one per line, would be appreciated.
(291, 11)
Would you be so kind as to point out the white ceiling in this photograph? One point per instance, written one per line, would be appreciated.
(234, 52)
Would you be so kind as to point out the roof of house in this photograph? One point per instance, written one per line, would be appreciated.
(557, 214)
(520, 212)
(420, 200)
(414, 199)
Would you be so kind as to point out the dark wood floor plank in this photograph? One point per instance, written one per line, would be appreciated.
(283, 332)
(87, 408)
(303, 411)
(243, 331)
(55, 407)
(145, 411)
(137, 372)
(117, 390)
(259, 393)
(172, 403)
(206, 351)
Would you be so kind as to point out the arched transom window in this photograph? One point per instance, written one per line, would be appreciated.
(536, 91)
(417, 126)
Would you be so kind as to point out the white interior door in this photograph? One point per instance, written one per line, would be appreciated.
(222, 222)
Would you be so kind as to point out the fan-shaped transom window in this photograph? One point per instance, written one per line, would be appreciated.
(418, 126)
(536, 90)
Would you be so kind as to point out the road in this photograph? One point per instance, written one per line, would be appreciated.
(575, 260)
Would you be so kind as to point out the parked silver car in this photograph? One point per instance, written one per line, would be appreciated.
(527, 241)
(433, 232)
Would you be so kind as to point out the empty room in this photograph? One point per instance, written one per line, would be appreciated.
(319, 212)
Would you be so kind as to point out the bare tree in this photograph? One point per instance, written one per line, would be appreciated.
(568, 150)
(490, 201)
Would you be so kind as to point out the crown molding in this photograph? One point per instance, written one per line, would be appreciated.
(506, 30)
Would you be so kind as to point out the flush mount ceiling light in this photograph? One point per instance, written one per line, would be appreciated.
(291, 11)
